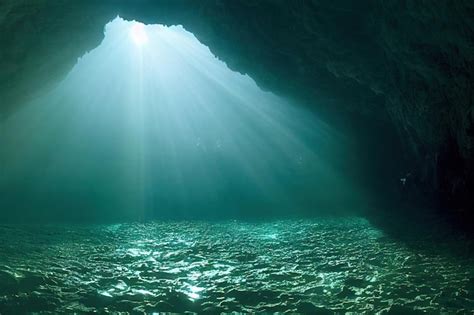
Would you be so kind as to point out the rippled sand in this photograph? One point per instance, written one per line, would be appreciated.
(342, 265)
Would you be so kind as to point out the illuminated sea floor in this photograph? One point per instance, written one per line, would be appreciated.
(343, 265)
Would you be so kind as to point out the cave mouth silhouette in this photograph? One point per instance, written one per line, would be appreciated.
(151, 125)
(153, 178)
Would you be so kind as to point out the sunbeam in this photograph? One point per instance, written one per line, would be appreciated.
(151, 124)
(138, 33)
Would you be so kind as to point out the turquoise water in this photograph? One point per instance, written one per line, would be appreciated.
(166, 130)
(343, 265)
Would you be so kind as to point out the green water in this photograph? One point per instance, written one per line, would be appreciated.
(166, 130)
(343, 265)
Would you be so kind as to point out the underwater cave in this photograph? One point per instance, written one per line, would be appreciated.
(311, 157)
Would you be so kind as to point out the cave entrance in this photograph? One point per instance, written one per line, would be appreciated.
(151, 124)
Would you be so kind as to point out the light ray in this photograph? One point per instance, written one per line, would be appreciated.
(138, 34)
(167, 130)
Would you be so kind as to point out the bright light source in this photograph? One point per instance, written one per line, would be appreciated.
(138, 34)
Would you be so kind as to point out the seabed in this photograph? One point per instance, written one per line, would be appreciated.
(306, 266)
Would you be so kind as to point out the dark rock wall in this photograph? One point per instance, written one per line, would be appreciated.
(398, 74)
(429, 51)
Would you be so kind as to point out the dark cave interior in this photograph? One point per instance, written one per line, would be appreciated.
(395, 77)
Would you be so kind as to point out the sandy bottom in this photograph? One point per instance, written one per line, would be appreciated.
(306, 266)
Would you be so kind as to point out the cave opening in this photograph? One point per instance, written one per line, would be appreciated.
(150, 124)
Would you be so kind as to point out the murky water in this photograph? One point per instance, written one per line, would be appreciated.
(303, 266)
